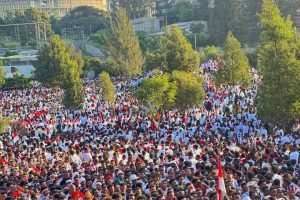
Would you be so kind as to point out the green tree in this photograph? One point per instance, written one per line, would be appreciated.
(123, 45)
(279, 65)
(295, 110)
(181, 12)
(2, 74)
(210, 53)
(72, 83)
(28, 33)
(157, 93)
(190, 90)
(18, 81)
(228, 15)
(178, 52)
(235, 67)
(107, 88)
(87, 17)
(153, 60)
(136, 8)
(148, 42)
(51, 61)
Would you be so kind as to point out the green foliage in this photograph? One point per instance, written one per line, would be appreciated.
(295, 110)
(190, 90)
(18, 81)
(3, 123)
(210, 53)
(108, 65)
(148, 42)
(251, 54)
(51, 62)
(107, 87)
(278, 62)
(89, 18)
(2, 74)
(123, 45)
(60, 66)
(136, 8)
(28, 33)
(178, 52)
(154, 60)
(72, 83)
(235, 68)
(99, 38)
(157, 93)
(181, 12)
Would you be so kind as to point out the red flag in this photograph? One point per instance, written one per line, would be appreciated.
(221, 183)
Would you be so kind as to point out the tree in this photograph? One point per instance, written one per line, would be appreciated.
(28, 33)
(278, 62)
(288, 7)
(51, 61)
(235, 67)
(180, 12)
(228, 15)
(18, 81)
(87, 17)
(2, 74)
(136, 8)
(190, 90)
(178, 52)
(123, 45)
(61, 66)
(210, 53)
(72, 83)
(295, 110)
(107, 88)
(157, 93)
(148, 42)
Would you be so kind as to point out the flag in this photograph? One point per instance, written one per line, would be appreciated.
(221, 183)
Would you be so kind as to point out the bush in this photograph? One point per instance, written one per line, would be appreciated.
(92, 63)
(18, 81)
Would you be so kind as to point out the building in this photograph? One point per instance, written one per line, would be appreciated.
(51, 7)
(146, 24)
(297, 20)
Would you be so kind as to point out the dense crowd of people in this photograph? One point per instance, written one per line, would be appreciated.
(121, 152)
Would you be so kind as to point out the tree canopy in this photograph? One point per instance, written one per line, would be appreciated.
(87, 17)
(123, 45)
(278, 62)
(235, 67)
(51, 62)
(157, 93)
(190, 90)
(178, 53)
(107, 87)
(2, 75)
(134, 8)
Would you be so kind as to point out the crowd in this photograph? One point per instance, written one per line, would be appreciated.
(120, 152)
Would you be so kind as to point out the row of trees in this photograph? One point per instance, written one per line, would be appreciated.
(60, 66)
